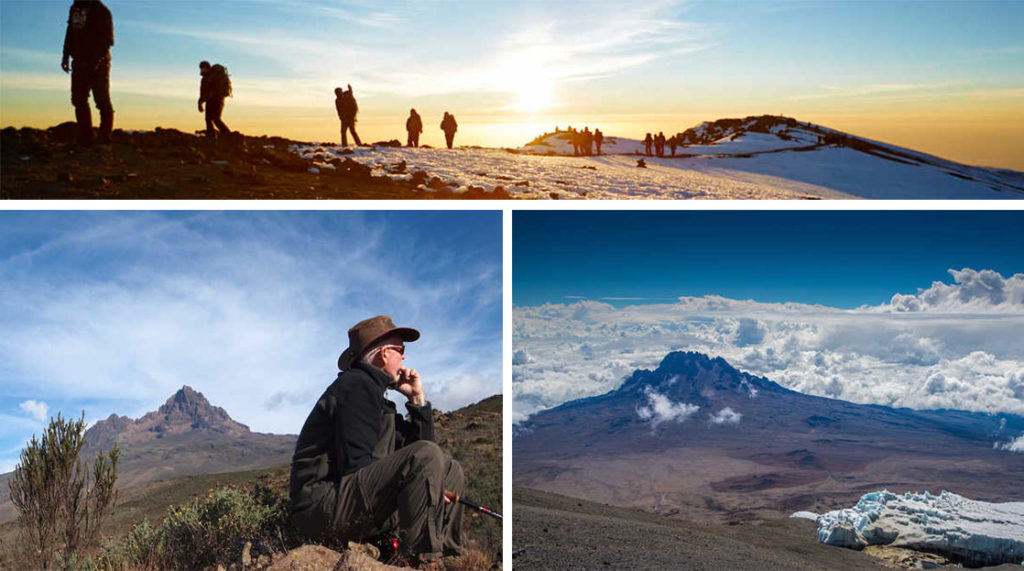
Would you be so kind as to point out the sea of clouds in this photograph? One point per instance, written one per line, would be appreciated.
(952, 345)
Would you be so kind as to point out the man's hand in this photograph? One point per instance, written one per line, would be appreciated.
(410, 385)
(64, 65)
(451, 497)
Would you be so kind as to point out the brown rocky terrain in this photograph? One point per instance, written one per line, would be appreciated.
(170, 164)
(786, 452)
(551, 531)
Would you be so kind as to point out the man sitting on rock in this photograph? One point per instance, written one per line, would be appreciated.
(361, 470)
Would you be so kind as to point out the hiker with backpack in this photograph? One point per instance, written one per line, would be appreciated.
(362, 470)
(347, 108)
(414, 125)
(87, 42)
(598, 139)
(449, 126)
(213, 89)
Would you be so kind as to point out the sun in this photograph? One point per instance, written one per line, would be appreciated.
(525, 76)
(533, 97)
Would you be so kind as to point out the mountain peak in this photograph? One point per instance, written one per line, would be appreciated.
(185, 399)
(696, 376)
(187, 410)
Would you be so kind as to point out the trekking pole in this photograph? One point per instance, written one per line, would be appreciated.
(479, 508)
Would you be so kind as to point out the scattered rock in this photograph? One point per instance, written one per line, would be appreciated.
(394, 143)
(437, 184)
(419, 177)
(640, 163)
(523, 183)
(246, 555)
(306, 558)
(553, 195)
(399, 167)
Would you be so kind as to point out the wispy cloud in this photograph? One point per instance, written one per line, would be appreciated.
(35, 409)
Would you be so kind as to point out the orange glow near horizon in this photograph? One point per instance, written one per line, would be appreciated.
(994, 138)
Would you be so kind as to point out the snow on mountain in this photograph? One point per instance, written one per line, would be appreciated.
(765, 157)
(971, 531)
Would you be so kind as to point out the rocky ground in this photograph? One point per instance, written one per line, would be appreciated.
(170, 164)
(550, 531)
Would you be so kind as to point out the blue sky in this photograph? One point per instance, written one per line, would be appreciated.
(835, 258)
(941, 77)
(111, 312)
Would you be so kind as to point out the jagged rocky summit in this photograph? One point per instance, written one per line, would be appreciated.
(185, 411)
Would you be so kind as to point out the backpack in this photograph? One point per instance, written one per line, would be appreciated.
(221, 80)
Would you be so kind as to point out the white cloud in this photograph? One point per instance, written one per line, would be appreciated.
(1015, 445)
(725, 416)
(660, 409)
(959, 348)
(35, 409)
(972, 291)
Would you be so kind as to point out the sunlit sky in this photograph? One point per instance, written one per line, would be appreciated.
(940, 77)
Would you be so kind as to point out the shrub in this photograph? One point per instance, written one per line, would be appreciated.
(214, 529)
(59, 512)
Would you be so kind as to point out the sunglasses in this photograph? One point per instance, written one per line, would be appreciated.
(399, 348)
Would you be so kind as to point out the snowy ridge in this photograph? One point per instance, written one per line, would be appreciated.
(766, 157)
(974, 532)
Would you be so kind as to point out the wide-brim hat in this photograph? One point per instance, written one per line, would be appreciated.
(367, 332)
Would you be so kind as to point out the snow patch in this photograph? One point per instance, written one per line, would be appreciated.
(974, 532)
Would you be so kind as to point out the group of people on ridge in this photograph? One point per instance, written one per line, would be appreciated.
(659, 142)
(584, 142)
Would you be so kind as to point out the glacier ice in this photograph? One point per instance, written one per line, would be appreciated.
(971, 531)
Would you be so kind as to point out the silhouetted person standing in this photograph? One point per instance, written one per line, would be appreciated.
(673, 142)
(414, 125)
(345, 103)
(659, 144)
(647, 144)
(213, 89)
(598, 139)
(587, 138)
(87, 43)
(449, 126)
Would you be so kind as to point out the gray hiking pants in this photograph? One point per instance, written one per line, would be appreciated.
(403, 492)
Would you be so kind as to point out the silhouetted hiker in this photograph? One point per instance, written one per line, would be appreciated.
(449, 126)
(673, 142)
(574, 138)
(659, 144)
(87, 43)
(647, 144)
(414, 125)
(362, 470)
(588, 141)
(214, 87)
(345, 103)
(598, 138)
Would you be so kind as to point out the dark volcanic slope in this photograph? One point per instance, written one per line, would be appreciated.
(787, 452)
(557, 532)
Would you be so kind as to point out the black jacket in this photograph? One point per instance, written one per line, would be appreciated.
(351, 426)
(90, 32)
